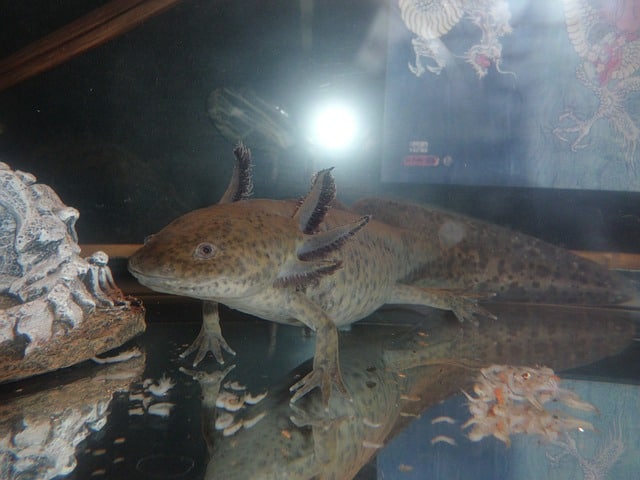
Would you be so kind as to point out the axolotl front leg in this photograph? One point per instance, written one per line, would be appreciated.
(210, 338)
(326, 366)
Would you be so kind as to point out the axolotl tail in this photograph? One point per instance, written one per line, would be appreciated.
(472, 255)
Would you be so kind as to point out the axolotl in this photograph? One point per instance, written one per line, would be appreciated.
(305, 263)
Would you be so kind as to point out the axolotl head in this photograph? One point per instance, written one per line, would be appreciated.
(235, 250)
(223, 251)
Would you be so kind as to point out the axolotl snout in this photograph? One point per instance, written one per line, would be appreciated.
(296, 264)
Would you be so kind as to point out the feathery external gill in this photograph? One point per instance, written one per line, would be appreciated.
(302, 273)
(315, 205)
(241, 184)
(243, 166)
(320, 244)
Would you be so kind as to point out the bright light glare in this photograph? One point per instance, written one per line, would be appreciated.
(334, 127)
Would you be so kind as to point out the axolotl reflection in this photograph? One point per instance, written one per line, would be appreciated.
(394, 372)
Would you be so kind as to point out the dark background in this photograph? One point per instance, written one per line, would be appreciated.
(121, 132)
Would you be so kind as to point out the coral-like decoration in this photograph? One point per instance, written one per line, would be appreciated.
(56, 308)
(512, 400)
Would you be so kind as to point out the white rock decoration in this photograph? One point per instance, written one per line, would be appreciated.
(56, 308)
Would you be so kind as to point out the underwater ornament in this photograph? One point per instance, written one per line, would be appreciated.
(56, 308)
(513, 399)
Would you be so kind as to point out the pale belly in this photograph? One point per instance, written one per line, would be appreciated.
(343, 298)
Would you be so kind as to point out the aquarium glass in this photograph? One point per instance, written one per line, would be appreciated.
(484, 159)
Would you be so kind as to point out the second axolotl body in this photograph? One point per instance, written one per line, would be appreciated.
(307, 264)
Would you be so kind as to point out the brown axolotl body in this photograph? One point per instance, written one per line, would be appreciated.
(307, 264)
(254, 256)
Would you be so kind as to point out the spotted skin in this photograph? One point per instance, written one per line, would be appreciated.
(286, 263)
(254, 267)
(479, 256)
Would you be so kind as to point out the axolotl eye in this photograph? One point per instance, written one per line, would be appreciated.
(204, 251)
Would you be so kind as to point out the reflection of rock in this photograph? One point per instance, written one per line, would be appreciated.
(57, 309)
(39, 432)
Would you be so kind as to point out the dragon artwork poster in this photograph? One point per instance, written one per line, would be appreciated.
(514, 93)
